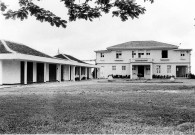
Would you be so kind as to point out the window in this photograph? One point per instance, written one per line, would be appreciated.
(133, 54)
(113, 67)
(147, 52)
(158, 69)
(133, 68)
(164, 53)
(168, 68)
(148, 70)
(123, 67)
(140, 55)
(118, 55)
(101, 55)
(182, 53)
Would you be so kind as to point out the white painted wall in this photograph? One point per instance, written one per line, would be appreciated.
(109, 60)
(11, 72)
(66, 71)
(1, 72)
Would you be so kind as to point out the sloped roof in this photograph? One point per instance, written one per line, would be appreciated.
(69, 57)
(143, 45)
(23, 49)
(3, 49)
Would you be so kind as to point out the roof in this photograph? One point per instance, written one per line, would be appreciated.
(23, 49)
(3, 49)
(143, 45)
(69, 57)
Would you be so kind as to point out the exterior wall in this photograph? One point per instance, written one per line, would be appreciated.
(174, 59)
(106, 69)
(1, 72)
(11, 72)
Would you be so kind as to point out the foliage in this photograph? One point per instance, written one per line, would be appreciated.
(84, 9)
(191, 76)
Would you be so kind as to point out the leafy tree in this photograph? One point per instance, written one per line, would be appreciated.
(77, 9)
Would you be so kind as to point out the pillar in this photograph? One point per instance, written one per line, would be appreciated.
(45, 72)
(131, 72)
(1, 72)
(34, 72)
(85, 73)
(151, 71)
(58, 72)
(90, 76)
(25, 72)
(98, 73)
(72, 73)
(95, 73)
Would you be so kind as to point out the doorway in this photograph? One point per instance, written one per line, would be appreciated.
(181, 71)
(29, 72)
(40, 72)
(52, 72)
(141, 71)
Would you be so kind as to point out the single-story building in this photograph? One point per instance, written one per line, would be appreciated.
(20, 64)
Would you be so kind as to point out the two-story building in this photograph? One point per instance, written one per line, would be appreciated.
(144, 58)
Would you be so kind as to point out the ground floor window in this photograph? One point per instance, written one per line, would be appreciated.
(168, 68)
(123, 67)
(113, 67)
(158, 69)
(148, 70)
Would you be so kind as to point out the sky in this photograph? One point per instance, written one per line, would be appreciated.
(168, 21)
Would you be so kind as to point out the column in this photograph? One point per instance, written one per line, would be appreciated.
(58, 72)
(85, 73)
(98, 73)
(34, 72)
(131, 71)
(80, 73)
(25, 72)
(90, 76)
(1, 72)
(45, 72)
(69, 68)
(151, 71)
(72, 73)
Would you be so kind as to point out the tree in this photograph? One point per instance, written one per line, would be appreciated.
(77, 9)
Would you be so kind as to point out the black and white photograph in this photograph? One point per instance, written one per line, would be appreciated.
(97, 67)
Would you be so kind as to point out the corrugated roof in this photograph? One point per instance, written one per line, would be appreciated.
(23, 49)
(143, 45)
(65, 56)
(3, 49)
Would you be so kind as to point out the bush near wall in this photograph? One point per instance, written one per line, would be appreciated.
(162, 76)
(191, 76)
(121, 76)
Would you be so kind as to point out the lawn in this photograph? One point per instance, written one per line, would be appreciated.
(98, 108)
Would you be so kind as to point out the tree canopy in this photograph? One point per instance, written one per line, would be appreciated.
(77, 9)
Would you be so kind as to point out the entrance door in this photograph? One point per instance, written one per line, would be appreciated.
(52, 72)
(62, 73)
(141, 71)
(29, 72)
(40, 72)
(181, 71)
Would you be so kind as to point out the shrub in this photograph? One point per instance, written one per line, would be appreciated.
(191, 76)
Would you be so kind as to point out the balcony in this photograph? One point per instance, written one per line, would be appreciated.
(141, 60)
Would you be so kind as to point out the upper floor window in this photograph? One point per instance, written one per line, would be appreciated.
(133, 54)
(118, 55)
(147, 52)
(123, 67)
(182, 53)
(101, 55)
(140, 55)
(158, 69)
(113, 67)
(168, 68)
(164, 53)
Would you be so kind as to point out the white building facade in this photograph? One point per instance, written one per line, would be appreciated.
(145, 59)
(20, 64)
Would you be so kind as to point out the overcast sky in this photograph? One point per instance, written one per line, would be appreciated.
(169, 21)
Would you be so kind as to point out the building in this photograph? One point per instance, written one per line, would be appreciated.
(20, 64)
(145, 59)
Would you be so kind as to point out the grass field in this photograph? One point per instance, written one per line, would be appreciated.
(83, 107)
